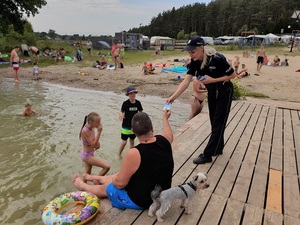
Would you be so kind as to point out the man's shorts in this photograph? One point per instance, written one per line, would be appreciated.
(260, 60)
(127, 133)
(15, 66)
(120, 199)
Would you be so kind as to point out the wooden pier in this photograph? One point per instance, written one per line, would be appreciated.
(255, 181)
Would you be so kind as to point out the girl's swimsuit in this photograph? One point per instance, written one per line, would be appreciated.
(85, 154)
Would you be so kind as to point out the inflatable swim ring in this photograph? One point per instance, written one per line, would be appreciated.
(68, 59)
(50, 214)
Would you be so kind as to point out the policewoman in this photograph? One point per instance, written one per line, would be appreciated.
(213, 73)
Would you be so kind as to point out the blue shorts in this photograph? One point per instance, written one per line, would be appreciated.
(119, 198)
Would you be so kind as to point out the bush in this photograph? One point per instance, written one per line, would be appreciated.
(239, 91)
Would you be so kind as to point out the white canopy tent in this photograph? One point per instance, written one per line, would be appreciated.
(273, 38)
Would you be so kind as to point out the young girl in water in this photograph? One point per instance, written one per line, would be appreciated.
(90, 142)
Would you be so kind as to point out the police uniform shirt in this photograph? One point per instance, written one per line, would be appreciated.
(217, 67)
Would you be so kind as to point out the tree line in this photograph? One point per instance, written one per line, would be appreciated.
(224, 17)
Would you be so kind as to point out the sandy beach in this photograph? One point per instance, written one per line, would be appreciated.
(278, 83)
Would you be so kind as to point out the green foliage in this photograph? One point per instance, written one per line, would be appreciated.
(239, 92)
(52, 34)
(180, 35)
(14, 38)
(223, 17)
(12, 11)
(194, 33)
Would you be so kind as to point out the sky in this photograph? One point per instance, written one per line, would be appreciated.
(100, 17)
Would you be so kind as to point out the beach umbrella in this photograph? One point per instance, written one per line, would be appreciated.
(104, 43)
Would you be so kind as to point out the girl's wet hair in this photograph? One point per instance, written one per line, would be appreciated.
(89, 117)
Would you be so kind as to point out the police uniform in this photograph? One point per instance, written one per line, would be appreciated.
(219, 97)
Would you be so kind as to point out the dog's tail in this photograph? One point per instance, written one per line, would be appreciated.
(156, 192)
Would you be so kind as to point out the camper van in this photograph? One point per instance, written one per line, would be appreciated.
(162, 43)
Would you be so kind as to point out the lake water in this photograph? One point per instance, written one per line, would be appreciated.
(40, 154)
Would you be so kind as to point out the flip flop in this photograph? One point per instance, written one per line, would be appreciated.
(256, 74)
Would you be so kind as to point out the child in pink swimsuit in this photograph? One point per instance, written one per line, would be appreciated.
(90, 142)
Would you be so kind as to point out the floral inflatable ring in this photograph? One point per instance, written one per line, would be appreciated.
(50, 214)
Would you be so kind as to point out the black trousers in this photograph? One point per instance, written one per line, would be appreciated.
(219, 104)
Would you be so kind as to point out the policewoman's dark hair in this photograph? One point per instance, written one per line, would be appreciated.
(87, 119)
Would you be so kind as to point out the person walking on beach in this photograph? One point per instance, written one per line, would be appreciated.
(148, 164)
(89, 46)
(116, 56)
(214, 73)
(90, 143)
(260, 55)
(14, 62)
(129, 108)
(35, 71)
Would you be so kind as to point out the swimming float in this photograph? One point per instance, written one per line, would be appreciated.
(68, 59)
(50, 214)
(4, 55)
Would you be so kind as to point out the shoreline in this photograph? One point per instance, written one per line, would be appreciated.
(278, 83)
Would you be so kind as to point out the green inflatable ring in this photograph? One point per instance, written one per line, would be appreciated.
(4, 55)
(68, 59)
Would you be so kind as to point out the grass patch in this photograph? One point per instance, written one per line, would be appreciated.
(255, 94)
(240, 93)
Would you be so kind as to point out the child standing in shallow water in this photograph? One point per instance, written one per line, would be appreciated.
(90, 142)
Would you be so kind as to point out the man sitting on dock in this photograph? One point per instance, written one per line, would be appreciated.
(144, 166)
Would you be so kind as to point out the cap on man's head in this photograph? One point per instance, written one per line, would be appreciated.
(131, 90)
(193, 43)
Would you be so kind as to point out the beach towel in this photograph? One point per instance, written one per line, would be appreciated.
(176, 69)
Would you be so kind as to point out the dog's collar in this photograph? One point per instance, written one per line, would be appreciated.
(192, 186)
(184, 191)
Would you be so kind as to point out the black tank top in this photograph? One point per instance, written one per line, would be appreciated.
(156, 168)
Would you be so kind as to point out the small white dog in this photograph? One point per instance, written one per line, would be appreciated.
(185, 192)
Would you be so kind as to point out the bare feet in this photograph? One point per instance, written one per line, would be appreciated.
(77, 181)
(88, 177)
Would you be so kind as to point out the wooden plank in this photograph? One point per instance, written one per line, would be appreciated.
(253, 215)
(296, 132)
(274, 197)
(233, 213)
(289, 220)
(260, 177)
(105, 207)
(289, 157)
(213, 211)
(240, 140)
(265, 148)
(291, 195)
(217, 168)
(187, 167)
(243, 180)
(197, 206)
(272, 218)
(277, 142)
